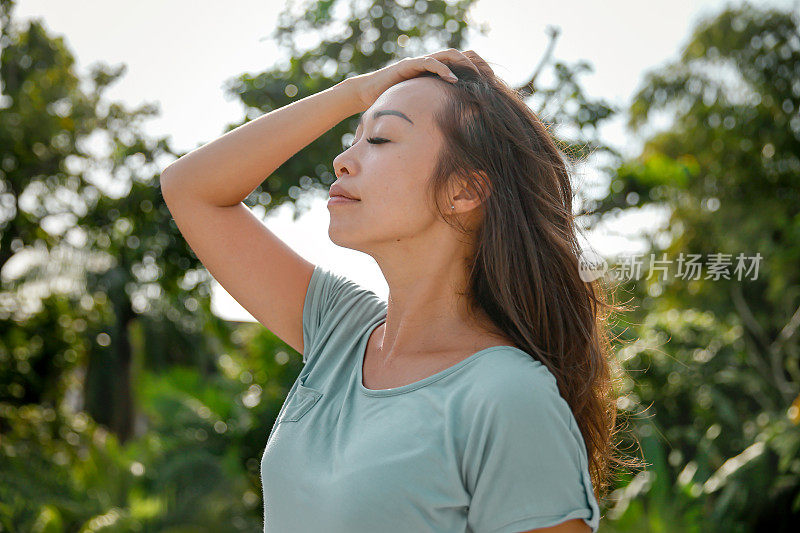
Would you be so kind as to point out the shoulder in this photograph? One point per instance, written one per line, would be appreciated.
(508, 375)
(510, 389)
(332, 297)
(337, 288)
(337, 305)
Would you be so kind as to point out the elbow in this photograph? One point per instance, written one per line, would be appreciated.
(167, 181)
(166, 175)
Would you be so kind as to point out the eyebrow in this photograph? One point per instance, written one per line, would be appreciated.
(382, 112)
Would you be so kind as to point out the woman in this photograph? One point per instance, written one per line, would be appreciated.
(478, 397)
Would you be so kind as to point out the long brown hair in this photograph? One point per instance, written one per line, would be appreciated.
(524, 272)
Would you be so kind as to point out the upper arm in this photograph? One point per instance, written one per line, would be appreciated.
(255, 267)
(525, 460)
(576, 525)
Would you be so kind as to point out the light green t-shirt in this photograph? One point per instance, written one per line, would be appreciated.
(487, 445)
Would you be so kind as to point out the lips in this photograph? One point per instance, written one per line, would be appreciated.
(340, 200)
(338, 190)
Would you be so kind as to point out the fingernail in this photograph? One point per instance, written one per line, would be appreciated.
(452, 77)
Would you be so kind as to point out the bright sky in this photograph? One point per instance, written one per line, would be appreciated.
(180, 54)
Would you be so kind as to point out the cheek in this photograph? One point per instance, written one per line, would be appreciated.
(400, 212)
(398, 188)
(400, 194)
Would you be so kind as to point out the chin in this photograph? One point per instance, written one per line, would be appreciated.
(339, 237)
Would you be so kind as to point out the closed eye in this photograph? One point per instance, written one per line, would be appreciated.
(371, 140)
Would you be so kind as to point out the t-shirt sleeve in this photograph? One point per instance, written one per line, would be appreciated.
(526, 463)
(333, 301)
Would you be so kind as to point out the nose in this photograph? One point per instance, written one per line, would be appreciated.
(339, 165)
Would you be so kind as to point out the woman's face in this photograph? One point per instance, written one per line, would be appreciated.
(387, 167)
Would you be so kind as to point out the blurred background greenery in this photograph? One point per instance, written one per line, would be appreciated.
(126, 405)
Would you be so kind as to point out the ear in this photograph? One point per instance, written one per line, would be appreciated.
(464, 193)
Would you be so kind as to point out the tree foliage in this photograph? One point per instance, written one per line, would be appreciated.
(718, 353)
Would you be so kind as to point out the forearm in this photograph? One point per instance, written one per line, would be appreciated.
(226, 170)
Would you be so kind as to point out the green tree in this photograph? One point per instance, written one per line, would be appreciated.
(720, 351)
(120, 259)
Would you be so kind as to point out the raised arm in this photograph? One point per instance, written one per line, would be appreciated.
(204, 191)
(226, 170)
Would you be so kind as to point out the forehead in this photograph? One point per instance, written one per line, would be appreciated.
(416, 98)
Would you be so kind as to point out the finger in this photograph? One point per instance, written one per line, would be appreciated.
(457, 57)
(437, 67)
(478, 60)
